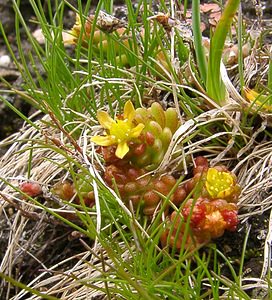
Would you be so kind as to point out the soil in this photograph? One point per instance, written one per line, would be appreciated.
(229, 244)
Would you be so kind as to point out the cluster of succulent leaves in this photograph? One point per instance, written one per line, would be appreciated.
(116, 36)
(207, 201)
(208, 204)
(100, 42)
(141, 137)
(135, 142)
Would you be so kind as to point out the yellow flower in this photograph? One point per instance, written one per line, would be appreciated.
(259, 99)
(219, 184)
(251, 95)
(74, 33)
(119, 131)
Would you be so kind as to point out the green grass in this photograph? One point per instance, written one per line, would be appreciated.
(69, 87)
(215, 86)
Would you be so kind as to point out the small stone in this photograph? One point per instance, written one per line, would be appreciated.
(4, 61)
(38, 35)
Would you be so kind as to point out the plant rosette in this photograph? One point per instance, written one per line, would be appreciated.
(141, 137)
(207, 220)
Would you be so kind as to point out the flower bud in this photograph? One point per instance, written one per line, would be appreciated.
(32, 189)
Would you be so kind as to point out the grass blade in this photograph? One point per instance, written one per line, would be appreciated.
(215, 87)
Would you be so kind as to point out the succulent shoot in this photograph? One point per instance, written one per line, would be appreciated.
(142, 136)
(160, 125)
(32, 189)
(210, 214)
(135, 143)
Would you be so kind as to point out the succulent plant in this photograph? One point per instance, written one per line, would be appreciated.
(212, 210)
(107, 25)
(133, 185)
(160, 125)
(32, 189)
(136, 143)
(67, 191)
(141, 136)
(212, 183)
(100, 40)
(208, 220)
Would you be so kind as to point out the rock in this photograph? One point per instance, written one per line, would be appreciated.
(4, 61)
(38, 35)
(66, 37)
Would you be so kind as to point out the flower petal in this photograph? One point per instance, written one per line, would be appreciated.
(136, 131)
(104, 119)
(225, 193)
(129, 111)
(251, 95)
(103, 140)
(122, 150)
